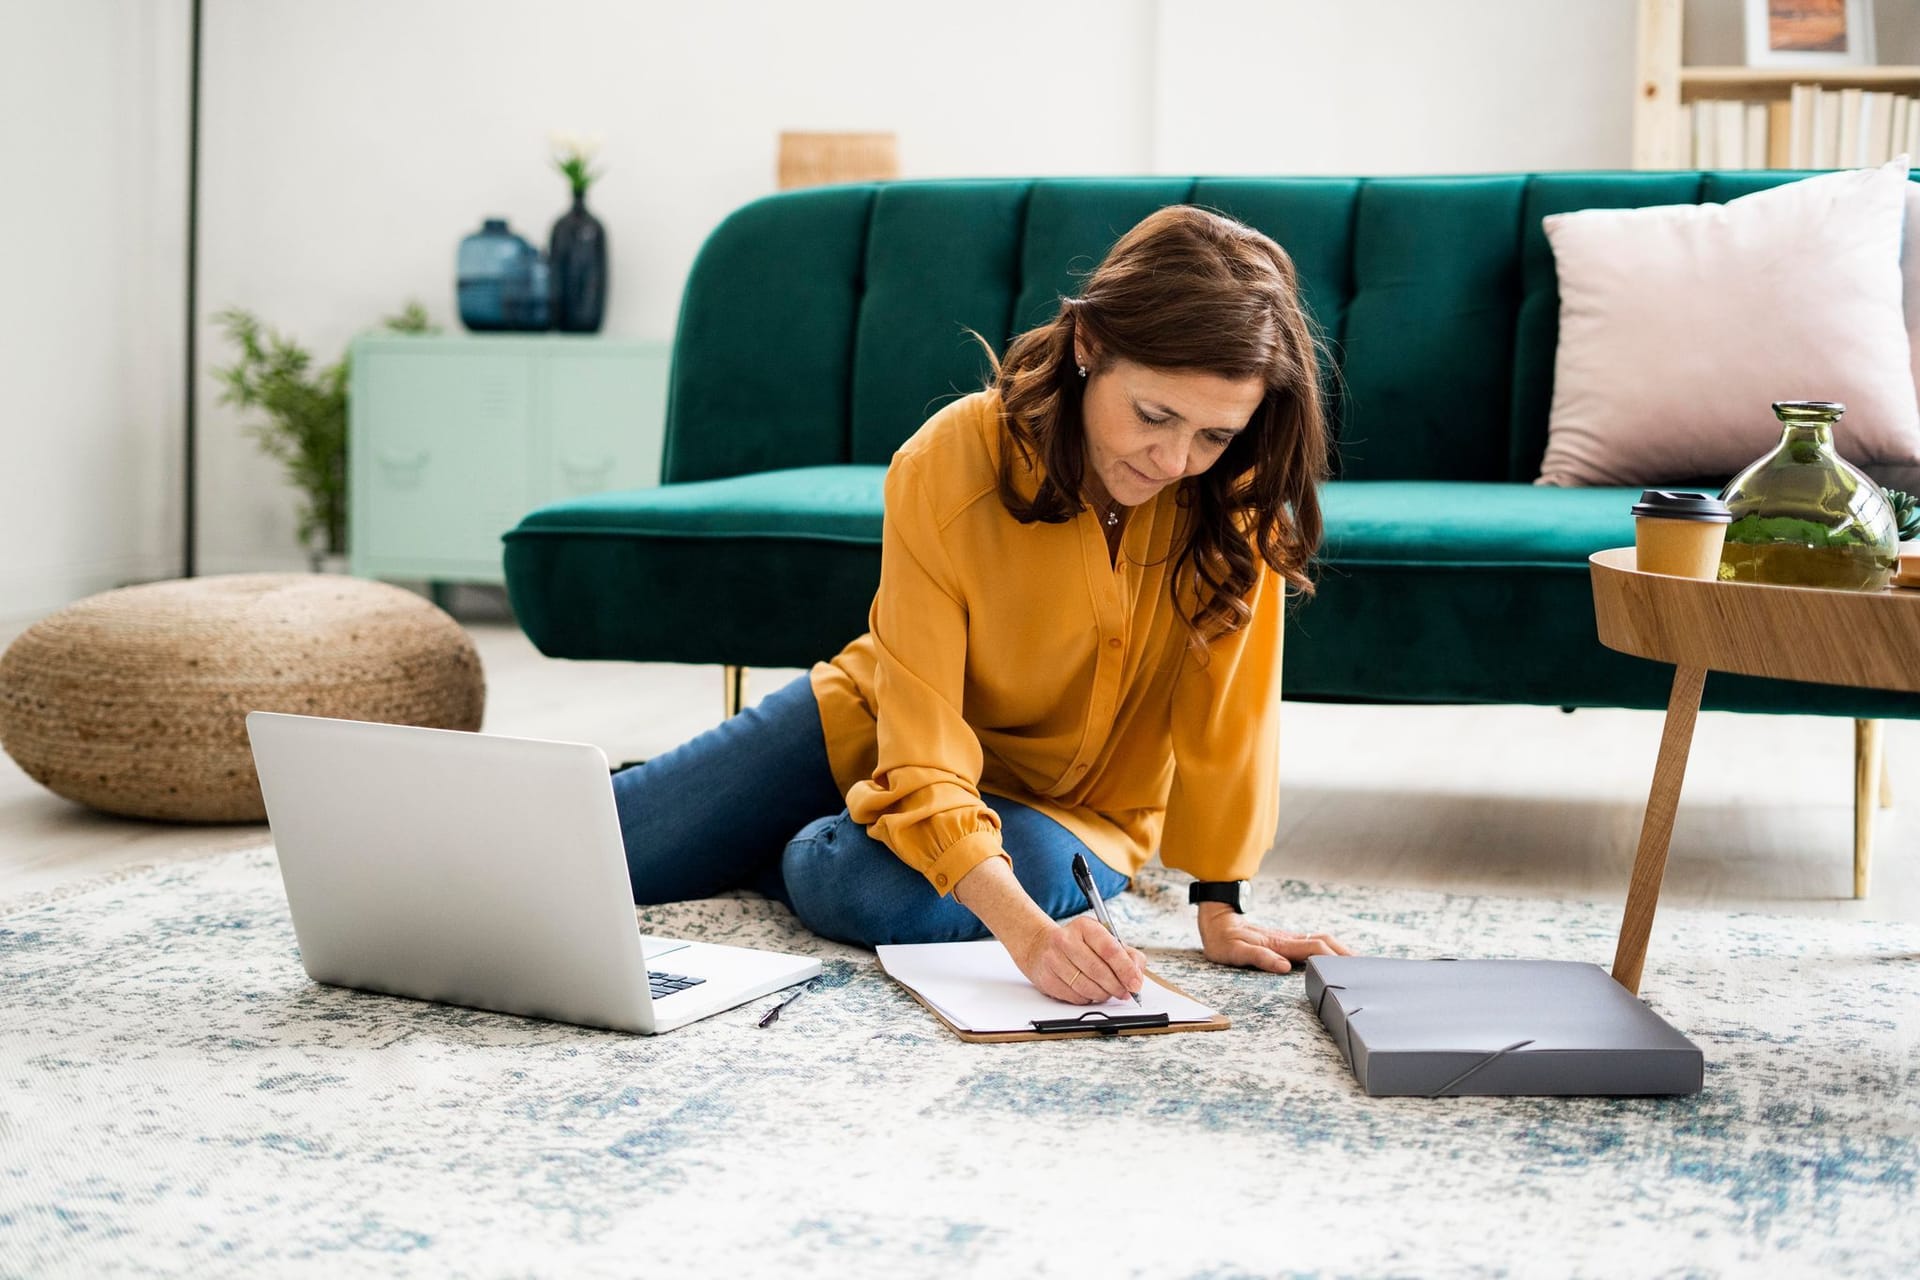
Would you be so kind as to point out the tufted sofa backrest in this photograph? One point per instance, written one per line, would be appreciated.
(824, 326)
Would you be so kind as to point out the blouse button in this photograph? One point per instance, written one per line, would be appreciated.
(1114, 643)
(941, 879)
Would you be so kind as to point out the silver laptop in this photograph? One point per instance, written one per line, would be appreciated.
(479, 870)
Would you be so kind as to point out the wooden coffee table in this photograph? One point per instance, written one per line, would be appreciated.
(1870, 639)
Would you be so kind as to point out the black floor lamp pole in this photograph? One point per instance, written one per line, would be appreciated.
(193, 293)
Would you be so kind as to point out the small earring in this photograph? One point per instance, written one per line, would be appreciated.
(1083, 371)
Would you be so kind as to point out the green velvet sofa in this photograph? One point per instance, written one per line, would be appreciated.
(820, 328)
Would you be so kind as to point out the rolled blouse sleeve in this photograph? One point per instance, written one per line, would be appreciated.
(923, 800)
(1224, 803)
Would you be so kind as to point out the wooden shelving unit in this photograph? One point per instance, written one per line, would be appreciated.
(1666, 86)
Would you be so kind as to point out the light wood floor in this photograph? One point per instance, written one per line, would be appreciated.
(1512, 800)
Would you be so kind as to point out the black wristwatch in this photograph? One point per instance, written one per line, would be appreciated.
(1235, 893)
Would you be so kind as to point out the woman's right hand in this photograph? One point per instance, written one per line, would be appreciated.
(1081, 963)
(1077, 962)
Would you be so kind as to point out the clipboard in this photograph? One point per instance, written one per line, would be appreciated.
(1057, 1028)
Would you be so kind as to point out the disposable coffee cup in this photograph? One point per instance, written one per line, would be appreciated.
(1679, 534)
(1908, 575)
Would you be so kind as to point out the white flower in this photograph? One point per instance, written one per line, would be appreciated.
(568, 145)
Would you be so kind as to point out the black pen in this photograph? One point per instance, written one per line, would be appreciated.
(773, 1015)
(1083, 876)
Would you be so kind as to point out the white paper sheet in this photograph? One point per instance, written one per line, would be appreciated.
(977, 987)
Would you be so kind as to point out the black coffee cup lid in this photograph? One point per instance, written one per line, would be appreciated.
(1666, 504)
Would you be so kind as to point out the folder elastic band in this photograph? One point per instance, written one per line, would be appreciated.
(1107, 1024)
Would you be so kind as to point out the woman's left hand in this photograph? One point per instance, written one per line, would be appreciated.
(1227, 937)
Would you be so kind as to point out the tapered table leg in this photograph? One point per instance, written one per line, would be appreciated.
(1869, 778)
(1656, 829)
(733, 689)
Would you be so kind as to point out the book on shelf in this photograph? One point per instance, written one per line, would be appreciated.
(1730, 134)
(1878, 128)
(1704, 156)
(1800, 108)
(1852, 144)
(1755, 145)
(1826, 129)
(1776, 134)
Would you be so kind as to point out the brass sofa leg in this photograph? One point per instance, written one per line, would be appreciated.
(733, 688)
(1867, 784)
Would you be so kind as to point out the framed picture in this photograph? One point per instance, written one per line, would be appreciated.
(1809, 33)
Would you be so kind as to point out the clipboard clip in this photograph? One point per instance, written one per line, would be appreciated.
(1098, 1020)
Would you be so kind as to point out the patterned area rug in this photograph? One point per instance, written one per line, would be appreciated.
(176, 1097)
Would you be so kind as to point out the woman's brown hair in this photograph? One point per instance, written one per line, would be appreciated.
(1186, 289)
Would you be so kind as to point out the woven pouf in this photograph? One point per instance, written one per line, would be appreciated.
(135, 701)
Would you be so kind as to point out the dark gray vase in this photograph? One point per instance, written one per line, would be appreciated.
(577, 257)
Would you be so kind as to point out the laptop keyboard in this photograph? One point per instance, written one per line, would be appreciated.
(665, 984)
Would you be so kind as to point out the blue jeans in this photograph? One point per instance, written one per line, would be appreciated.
(752, 804)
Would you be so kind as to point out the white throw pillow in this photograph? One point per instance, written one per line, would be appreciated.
(1681, 324)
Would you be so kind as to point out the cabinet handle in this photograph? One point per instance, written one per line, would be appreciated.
(582, 473)
(394, 462)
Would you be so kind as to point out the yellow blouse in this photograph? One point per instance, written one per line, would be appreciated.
(1017, 660)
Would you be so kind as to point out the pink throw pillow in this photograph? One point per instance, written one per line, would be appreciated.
(1910, 270)
(1681, 324)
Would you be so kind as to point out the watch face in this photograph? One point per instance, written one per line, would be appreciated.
(1246, 896)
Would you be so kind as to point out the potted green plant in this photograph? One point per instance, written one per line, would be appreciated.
(305, 426)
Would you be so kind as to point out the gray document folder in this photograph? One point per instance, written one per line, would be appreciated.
(1451, 1028)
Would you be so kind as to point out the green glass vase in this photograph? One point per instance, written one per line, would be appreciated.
(1803, 516)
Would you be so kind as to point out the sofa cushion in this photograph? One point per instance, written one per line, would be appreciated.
(767, 327)
(1071, 223)
(808, 504)
(1438, 592)
(768, 570)
(1428, 342)
(1312, 219)
(941, 258)
(1425, 589)
(1431, 524)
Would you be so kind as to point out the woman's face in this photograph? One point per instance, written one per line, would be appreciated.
(1149, 428)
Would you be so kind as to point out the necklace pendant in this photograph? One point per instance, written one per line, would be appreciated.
(1113, 518)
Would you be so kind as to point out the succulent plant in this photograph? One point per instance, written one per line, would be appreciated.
(1906, 513)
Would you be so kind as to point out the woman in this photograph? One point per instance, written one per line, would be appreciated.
(1075, 646)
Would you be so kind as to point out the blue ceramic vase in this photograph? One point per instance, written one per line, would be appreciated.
(503, 282)
(577, 252)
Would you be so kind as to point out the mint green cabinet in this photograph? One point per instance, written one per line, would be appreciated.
(452, 439)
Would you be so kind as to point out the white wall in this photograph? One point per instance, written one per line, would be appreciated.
(92, 234)
(1395, 86)
(347, 146)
